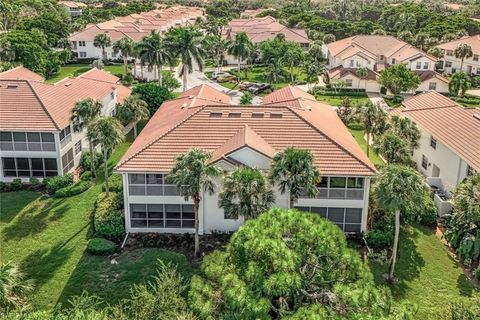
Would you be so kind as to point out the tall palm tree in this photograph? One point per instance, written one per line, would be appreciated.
(373, 117)
(154, 52)
(294, 171)
(13, 286)
(186, 44)
(406, 22)
(292, 57)
(406, 129)
(393, 148)
(459, 84)
(362, 73)
(397, 188)
(132, 110)
(107, 131)
(192, 174)
(83, 114)
(126, 48)
(216, 47)
(245, 193)
(462, 51)
(102, 40)
(240, 49)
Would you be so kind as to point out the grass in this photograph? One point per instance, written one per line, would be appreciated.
(76, 69)
(337, 100)
(373, 156)
(428, 276)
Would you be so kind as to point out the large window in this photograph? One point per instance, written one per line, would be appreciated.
(29, 167)
(179, 216)
(27, 141)
(68, 161)
(150, 184)
(347, 219)
(351, 188)
(433, 142)
(65, 136)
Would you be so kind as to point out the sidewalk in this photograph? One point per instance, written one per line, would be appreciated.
(376, 98)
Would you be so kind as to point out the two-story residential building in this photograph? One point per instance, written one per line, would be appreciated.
(377, 52)
(449, 148)
(75, 8)
(37, 138)
(239, 135)
(451, 64)
(261, 29)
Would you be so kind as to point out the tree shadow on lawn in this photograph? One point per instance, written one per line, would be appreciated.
(12, 203)
(34, 219)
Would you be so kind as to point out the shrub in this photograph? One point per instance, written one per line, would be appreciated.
(73, 189)
(16, 184)
(85, 162)
(378, 239)
(356, 126)
(4, 187)
(34, 181)
(428, 216)
(127, 79)
(59, 182)
(153, 94)
(108, 219)
(86, 176)
(115, 183)
(383, 90)
(100, 246)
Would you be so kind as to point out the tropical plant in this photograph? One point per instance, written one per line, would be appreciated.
(246, 98)
(373, 117)
(328, 38)
(108, 132)
(152, 94)
(83, 114)
(459, 84)
(463, 51)
(103, 41)
(245, 193)
(185, 43)
(155, 53)
(217, 49)
(436, 52)
(192, 174)
(406, 22)
(406, 129)
(393, 148)
(294, 171)
(362, 73)
(274, 71)
(13, 286)
(132, 110)
(124, 46)
(397, 188)
(398, 78)
(240, 49)
(292, 57)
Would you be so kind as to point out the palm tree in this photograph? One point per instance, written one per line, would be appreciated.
(406, 129)
(245, 193)
(393, 148)
(185, 42)
(154, 52)
(373, 117)
(292, 57)
(397, 188)
(193, 174)
(362, 73)
(240, 49)
(294, 171)
(406, 22)
(459, 84)
(462, 51)
(216, 47)
(108, 132)
(102, 40)
(328, 38)
(83, 114)
(13, 286)
(126, 48)
(133, 110)
(274, 71)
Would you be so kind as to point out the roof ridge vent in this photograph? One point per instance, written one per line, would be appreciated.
(476, 116)
(68, 84)
(12, 86)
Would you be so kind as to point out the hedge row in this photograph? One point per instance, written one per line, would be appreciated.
(108, 217)
(72, 190)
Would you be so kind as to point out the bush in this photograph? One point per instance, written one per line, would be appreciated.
(115, 183)
(127, 80)
(34, 182)
(59, 182)
(153, 95)
(378, 239)
(108, 218)
(73, 189)
(4, 187)
(356, 126)
(86, 176)
(100, 246)
(383, 90)
(428, 216)
(16, 184)
(85, 162)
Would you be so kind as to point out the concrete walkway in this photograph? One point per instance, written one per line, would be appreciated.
(475, 92)
(376, 98)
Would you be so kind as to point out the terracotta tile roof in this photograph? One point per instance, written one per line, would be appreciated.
(72, 4)
(20, 73)
(286, 94)
(473, 41)
(340, 72)
(304, 123)
(450, 123)
(430, 74)
(52, 103)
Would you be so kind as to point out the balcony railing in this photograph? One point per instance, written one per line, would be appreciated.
(334, 193)
(153, 190)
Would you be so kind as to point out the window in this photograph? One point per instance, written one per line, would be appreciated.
(425, 66)
(29, 167)
(475, 57)
(449, 53)
(448, 64)
(74, 44)
(432, 86)
(424, 162)
(27, 141)
(151, 184)
(65, 136)
(81, 43)
(419, 65)
(351, 63)
(82, 54)
(351, 188)
(433, 142)
(347, 219)
(348, 83)
(78, 147)
(157, 215)
(393, 60)
(68, 161)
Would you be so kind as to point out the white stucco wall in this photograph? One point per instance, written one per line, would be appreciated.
(441, 86)
(455, 67)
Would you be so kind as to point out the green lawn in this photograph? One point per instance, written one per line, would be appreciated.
(337, 100)
(428, 276)
(358, 135)
(71, 70)
(46, 237)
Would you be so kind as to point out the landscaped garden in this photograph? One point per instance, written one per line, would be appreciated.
(76, 69)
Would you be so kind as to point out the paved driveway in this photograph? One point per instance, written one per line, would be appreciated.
(376, 98)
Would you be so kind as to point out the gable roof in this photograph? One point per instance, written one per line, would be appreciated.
(473, 41)
(297, 120)
(450, 123)
(21, 73)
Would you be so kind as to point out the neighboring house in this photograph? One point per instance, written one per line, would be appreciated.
(74, 8)
(240, 135)
(451, 64)
(450, 138)
(376, 52)
(252, 13)
(134, 26)
(36, 132)
(261, 29)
